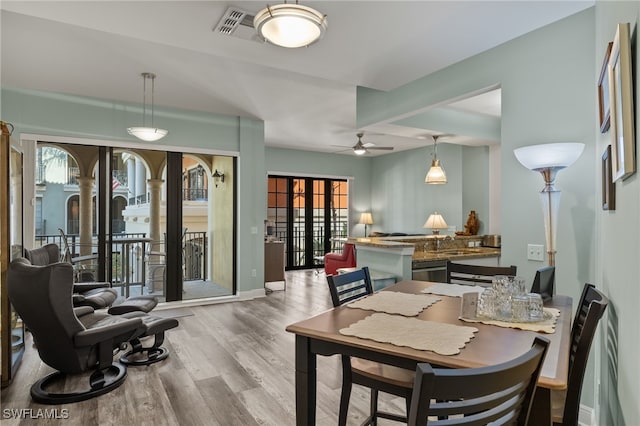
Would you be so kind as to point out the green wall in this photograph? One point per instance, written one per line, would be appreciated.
(548, 95)
(617, 249)
(475, 185)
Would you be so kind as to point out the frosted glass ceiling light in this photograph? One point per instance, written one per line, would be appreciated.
(290, 25)
(436, 174)
(549, 159)
(147, 134)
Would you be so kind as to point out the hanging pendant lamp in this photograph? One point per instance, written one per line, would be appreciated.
(436, 174)
(147, 134)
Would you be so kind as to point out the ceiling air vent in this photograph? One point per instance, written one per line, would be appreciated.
(237, 23)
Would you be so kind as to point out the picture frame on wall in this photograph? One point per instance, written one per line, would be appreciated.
(603, 92)
(608, 187)
(621, 106)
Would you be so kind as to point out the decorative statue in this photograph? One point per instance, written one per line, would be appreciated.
(473, 225)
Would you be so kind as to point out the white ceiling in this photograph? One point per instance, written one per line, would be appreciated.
(306, 97)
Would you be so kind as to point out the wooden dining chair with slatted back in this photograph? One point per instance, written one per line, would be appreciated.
(497, 394)
(461, 273)
(565, 404)
(378, 377)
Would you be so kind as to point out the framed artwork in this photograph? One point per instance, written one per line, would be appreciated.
(621, 105)
(608, 188)
(603, 92)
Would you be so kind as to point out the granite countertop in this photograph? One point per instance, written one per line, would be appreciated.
(456, 253)
(379, 242)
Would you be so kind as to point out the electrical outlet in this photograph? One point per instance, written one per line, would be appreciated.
(253, 273)
(535, 252)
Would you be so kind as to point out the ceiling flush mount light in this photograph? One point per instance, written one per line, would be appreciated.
(549, 159)
(147, 134)
(436, 223)
(290, 25)
(436, 174)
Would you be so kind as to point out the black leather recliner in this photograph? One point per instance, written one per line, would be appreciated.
(97, 295)
(42, 297)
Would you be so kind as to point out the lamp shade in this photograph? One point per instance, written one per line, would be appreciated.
(290, 25)
(436, 174)
(365, 218)
(551, 155)
(435, 222)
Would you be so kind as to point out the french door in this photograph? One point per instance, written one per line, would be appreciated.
(310, 215)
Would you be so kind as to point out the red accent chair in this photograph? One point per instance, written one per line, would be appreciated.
(346, 259)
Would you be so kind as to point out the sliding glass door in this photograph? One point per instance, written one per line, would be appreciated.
(310, 215)
(150, 222)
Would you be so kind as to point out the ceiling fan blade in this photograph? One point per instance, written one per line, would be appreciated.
(384, 148)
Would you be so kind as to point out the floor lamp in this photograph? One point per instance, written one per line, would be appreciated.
(549, 159)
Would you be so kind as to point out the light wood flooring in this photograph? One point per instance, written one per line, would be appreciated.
(230, 364)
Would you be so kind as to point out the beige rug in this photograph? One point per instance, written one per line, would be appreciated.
(452, 290)
(443, 339)
(395, 302)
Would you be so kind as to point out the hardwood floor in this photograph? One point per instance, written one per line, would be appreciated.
(230, 364)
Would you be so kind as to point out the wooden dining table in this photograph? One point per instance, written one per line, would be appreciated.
(320, 335)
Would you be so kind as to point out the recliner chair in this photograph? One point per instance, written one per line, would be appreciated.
(94, 294)
(42, 297)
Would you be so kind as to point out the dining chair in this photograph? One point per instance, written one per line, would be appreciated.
(378, 377)
(497, 394)
(461, 273)
(565, 404)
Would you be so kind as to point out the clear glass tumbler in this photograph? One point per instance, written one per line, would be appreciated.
(487, 303)
(536, 309)
(520, 308)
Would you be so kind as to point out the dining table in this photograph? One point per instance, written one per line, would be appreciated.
(490, 345)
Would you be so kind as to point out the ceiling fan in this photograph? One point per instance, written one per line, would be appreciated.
(362, 148)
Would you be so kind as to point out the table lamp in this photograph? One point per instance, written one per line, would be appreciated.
(436, 223)
(366, 219)
(549, 159)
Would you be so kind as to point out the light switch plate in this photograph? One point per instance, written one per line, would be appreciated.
(535, 252)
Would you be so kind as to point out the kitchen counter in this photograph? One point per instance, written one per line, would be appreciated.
(403, 255)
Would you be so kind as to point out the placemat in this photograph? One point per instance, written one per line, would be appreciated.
(547, 326)
(395, 302)
(453, 290)
(441, 338)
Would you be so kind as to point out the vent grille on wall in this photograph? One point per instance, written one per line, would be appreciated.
(237, 23)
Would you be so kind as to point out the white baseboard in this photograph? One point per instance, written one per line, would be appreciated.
(586, 416)
(243, 295)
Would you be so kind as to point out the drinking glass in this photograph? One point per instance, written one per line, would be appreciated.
(536, 309)
(520, 308)
(487, 303)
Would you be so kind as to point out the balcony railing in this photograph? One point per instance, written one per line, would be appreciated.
(194, 252)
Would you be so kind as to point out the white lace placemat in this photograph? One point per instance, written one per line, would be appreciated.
(395, 302)
(441, 338)
(548, 325)
(453, 290)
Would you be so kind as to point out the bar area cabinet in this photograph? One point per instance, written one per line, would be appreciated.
(11, 327)
(274, 261)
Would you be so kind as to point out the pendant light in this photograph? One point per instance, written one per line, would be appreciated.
(436, 173)
(147, 134)
(290, 25)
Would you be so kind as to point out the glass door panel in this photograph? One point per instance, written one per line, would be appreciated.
(208, 223)
(310, 215)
